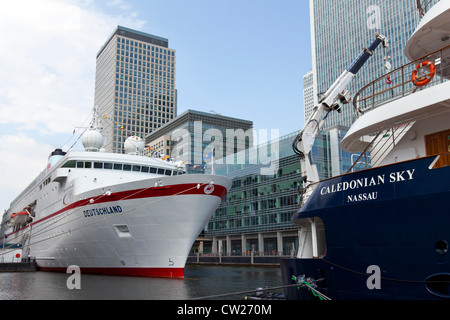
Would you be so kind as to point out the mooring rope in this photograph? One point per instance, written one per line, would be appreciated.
(316, 292)
(244, 292)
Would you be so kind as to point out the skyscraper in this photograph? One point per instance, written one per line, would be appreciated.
(339, 31)
(308, 94)
(134, 85)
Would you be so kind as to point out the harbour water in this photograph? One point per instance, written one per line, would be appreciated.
(200, 281)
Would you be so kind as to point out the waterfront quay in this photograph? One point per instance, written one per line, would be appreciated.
(240, 260)
(24, 266)
(205, 252)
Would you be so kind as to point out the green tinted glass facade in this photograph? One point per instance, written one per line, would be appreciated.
(258, 208)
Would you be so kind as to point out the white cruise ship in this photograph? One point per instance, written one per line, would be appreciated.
(115, 214)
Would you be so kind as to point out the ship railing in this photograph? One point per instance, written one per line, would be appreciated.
(398, 83)
(386, 140)
(383, 142)
(424, 5)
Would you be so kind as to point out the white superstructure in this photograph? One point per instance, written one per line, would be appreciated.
(123, 214)
(405, 114)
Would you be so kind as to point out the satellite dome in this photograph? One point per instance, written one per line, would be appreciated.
(92, 140)
(134, 145)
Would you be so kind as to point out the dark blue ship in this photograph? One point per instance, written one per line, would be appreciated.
(382, 231)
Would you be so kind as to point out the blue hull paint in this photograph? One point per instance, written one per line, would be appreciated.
(402, 228)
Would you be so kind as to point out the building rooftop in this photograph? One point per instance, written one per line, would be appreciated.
(136, 35)
(193, 115)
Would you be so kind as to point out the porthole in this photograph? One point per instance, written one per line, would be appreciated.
(441, 247)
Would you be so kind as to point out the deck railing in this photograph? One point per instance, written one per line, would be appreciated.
(383, 142)
(424, 5)
(398, 83)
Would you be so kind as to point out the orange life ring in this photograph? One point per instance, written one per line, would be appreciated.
(423, 79)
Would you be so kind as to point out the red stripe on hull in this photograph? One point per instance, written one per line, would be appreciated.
(128, 272)
(167, 191)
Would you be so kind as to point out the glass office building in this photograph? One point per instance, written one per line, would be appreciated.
(339, 31)
(134, 85)
(193, 135)
(256, 213)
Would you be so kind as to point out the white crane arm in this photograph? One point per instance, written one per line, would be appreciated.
(304, 142)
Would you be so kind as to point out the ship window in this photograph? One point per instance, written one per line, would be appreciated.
(123, 231)
(160, 171)
(107, 165)
(145, 169)
(88, 165)
(117, 166)
(80, 164)
(69, 164)
(168, 172)
(127, 167)
(137, 168)
(152, 170)
(98, 165)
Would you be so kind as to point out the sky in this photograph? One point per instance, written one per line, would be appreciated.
(243, 59)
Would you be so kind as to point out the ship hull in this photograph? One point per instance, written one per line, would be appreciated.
(386, 235)
(142, 228)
